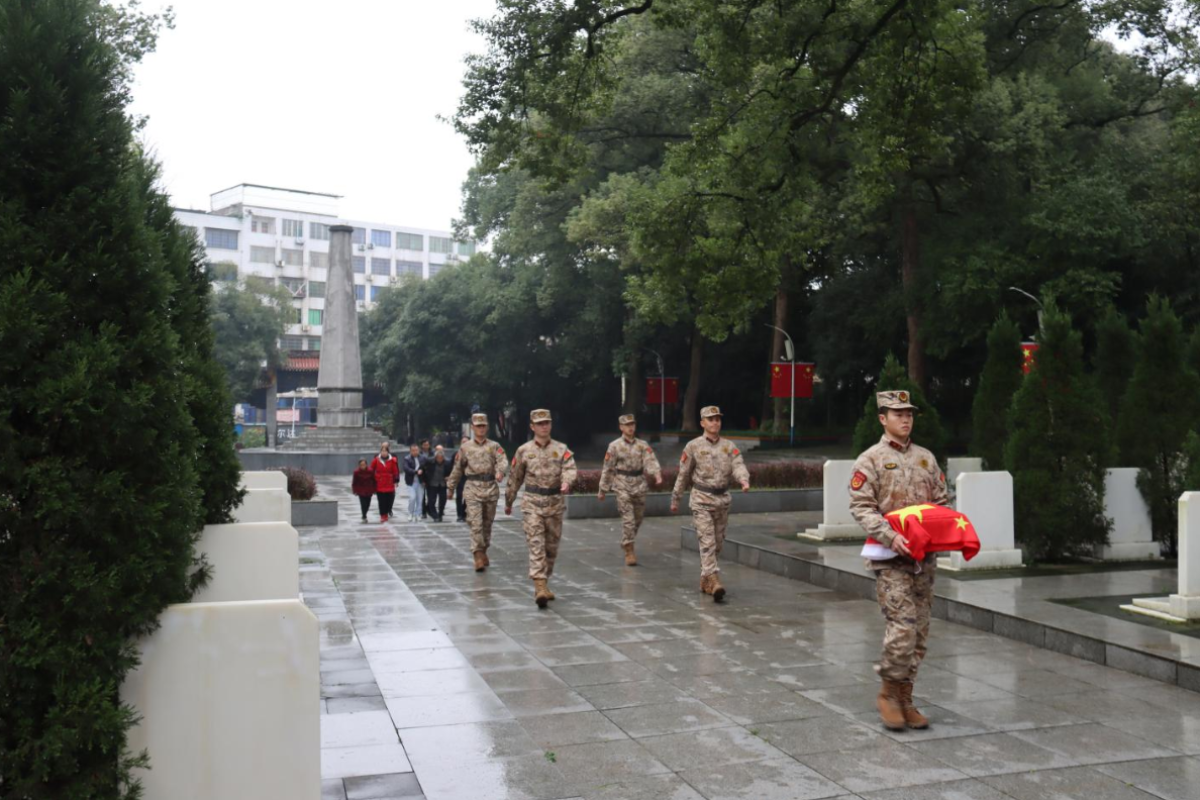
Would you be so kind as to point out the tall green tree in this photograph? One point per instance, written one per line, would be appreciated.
(106, 414)
(1114, 359)
(927, 426)
(1059, 449)
(1157, 413)
(247, 320)
(999, 382)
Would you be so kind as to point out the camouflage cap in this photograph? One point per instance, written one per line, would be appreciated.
(710, 411)
(626, 419)
(539, 415)
(479, 419)
(894, 399)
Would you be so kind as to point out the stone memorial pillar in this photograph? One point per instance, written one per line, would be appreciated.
(957, 466)
(1131, 538)
(837, 523)
(1183, 606)
(987, 499)
(339, 378)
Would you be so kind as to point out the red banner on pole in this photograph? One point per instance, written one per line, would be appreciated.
(1028, 356)
(655, 389)
(781, 379)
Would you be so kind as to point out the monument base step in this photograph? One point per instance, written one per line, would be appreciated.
(1129, 551)
(984, 559)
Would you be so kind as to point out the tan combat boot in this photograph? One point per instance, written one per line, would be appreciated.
(541, 594)
(630, 556)
(480, 561)
(706, 584)
(891, 710)
(912, 717)
(487, 562)
(715, 588)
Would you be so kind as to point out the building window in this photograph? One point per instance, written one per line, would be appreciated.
(293, 258)
(222, 271)
(221, 238)
(314, 343)
(359, 263)
(318, 230)
(409, 268)
(314, 316)
(358, 236)
(375, 290)
(298, 317)
(381, 266)
(259, 284)
(319, 260)
(262, 224)
(293, 285)
(262, 255)
(410, 241)
(360, 292)
(291, 343)
(293, 228)
(438, 244)
(316, 288)
(381, 238)
(434, 269)
(466, 248)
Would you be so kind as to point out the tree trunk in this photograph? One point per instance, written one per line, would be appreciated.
(691, 410)
(272, 423)
(781, 313)
(910, 255)
(633, 384)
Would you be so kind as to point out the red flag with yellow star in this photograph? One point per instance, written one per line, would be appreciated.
(933, 529)
(1028, 356)
(781, 379)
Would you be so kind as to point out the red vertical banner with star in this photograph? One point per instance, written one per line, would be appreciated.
(781, 379)
(657, 387)
(1028, 356)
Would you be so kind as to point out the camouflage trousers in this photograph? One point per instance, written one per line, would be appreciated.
(543, 532)
(632, 508)
(906, 600)
(481, 513)
(710, 522)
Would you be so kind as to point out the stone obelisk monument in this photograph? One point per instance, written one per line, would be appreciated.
(339, 379)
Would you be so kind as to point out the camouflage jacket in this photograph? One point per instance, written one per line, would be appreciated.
(711, 470)
(485, 459)
(541, 467)
(889, 476)
(625, 456)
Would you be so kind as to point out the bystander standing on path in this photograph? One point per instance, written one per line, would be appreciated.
(895, 474)
(436, 472)
(426, 457)
(547, 468)
(363, 486)
(387, 475)
(708, 466)
(626, 463)
(414, 476)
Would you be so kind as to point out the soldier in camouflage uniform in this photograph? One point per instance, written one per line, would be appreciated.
(547, 468)
(481, 463)
(626, 463)
(891, 475)
(708, 466)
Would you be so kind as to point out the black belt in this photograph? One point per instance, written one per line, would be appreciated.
(547, 492)
(488, 478)
(710, 489)
(631, 473)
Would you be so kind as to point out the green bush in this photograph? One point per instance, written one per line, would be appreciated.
(927, 427)
(1157, 412)
(1059, 449)
(113, 435)
(999, 382)
(1116, 352)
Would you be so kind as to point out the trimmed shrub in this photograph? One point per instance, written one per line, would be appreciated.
(999, 382)
(927, 427)
(1059, 449)
(1116, 353)
(301, 484)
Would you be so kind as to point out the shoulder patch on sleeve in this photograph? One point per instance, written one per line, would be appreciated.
(648, 449)
(941, 476)
(683, 458)
(514, 461)
(566, 454)
(607, 456)
(857, 481)
(737, 452)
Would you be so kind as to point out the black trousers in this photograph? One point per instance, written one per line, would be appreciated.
(385, 503)
(364, 500)
(436, 497)
(460, 505)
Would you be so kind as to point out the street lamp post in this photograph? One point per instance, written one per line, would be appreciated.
(791, 357)
(1034, 299)
(662, 391)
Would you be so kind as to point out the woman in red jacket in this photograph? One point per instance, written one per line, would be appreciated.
(387, 473)
(363, 485)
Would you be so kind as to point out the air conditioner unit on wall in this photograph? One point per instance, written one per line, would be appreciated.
(306, 328)
(300, 241)
(361, 248)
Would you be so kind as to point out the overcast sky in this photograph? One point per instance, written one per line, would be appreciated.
(302, 94)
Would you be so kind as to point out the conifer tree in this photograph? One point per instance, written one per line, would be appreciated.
(110, 447)
(1157, 413)
(999, 382)
(927, 426)
(1059, 448)
(1116, 351)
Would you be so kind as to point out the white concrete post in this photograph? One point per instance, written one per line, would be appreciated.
(229, 699)
(957, 466)
(264, 505)
(987, 500)
(837, 524)
(1186, 604)
(250, 561)
(1131, 538)
(264, 479)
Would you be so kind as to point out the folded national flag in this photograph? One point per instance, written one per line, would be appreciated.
(928, 529)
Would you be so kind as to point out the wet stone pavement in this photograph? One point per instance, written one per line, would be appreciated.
(441, 683)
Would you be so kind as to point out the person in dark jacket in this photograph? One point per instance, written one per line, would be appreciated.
(387, 475)
(460, 505)
(436, 471)
(426, 457)
(363, 485)
(414, 478)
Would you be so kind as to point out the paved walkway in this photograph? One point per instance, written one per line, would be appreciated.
(442, 683)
